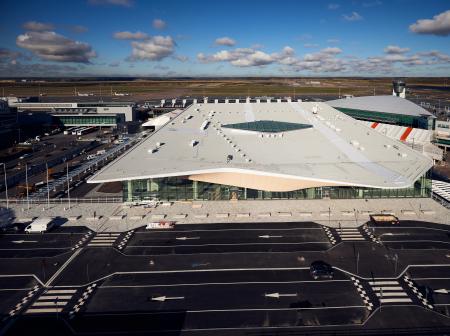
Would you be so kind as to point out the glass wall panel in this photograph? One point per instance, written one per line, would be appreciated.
(180, 188)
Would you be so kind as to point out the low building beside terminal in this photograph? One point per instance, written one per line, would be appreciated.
(386, 109)
(82, 113)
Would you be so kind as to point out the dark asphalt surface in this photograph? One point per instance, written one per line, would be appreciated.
(269, 238)
(159, 283)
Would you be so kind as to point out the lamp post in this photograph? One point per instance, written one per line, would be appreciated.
(26, 185)
(68, 184)
(6, 185)
(48, 190)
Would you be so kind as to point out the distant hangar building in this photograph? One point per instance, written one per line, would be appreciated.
(82, 113)
(246, 149)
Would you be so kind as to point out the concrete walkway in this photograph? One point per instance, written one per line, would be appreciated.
(119, 217)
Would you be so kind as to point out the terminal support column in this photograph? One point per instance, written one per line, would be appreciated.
(129, 191)
(194, 190)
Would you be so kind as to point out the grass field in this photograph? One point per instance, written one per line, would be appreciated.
(146, 89)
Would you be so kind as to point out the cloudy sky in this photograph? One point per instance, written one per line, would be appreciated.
(225, 38)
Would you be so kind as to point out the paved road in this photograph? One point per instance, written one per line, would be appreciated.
(413, 235)
(97, 287)
(190, 239)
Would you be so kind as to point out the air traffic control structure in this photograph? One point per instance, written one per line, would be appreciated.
(267, 150)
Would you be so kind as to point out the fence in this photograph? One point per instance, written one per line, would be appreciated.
(31, 201)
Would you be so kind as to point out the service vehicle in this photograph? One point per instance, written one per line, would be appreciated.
(160, 225)
(40, 225)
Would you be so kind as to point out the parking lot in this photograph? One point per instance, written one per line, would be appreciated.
(226, 279)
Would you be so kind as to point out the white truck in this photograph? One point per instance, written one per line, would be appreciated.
(39, 225)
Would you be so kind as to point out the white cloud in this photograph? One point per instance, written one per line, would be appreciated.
(37, 26)
(354, 16)
(331, 51)
(155, 48)
(372, 3)
(79, 29)
(159, 24)
(334, 41)
(435, 57)
(181, 58)
(51, 46)
(323, 61)
(225, 41)
(333, 6)
(241, 57)
(122, 3)
(438, 25)
(126, 35)
(393, 49)
(310, 45)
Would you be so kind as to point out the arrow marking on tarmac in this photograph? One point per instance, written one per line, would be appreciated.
(24, 241)
(441, 291)
(164, 298)
(186, 238)
(268, 236)
(278, 295)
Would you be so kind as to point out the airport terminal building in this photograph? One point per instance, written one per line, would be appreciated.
(386, 109)
(243, 149)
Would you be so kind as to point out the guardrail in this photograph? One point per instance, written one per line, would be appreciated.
(31, 201)
(18, 177)
(441, 200)
(95, 163)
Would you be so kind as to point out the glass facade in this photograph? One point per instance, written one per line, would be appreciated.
(180, 188)
(88, 120)
(267, 126)
(390, 118)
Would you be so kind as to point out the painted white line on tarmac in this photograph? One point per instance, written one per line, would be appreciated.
(243, 244)
(36, 249)
(43, 310)
(22, 275)
(407, 227)
(14, 289)
(225, 230)
(224, 283)
(414, 241)
(270, 309)
(430, 279)
(58, 272)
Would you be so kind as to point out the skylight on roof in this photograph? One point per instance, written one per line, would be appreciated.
(268, 126)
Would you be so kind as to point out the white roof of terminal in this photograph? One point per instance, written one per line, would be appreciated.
(336, 149)
(387, 104)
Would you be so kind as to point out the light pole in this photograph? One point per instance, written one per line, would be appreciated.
(26, 185)
(68, 184)
(6, 185)
(48, 190)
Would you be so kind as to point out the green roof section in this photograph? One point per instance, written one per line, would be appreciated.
(268, 126)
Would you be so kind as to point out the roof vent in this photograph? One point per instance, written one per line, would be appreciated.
(204, 125)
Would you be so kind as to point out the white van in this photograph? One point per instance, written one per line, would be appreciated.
(39, 225)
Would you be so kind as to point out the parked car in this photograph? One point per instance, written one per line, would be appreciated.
(321, 270)
(24, 156)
